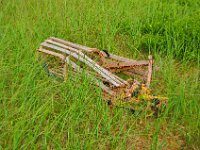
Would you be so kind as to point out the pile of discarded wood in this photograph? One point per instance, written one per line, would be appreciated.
(105, 69)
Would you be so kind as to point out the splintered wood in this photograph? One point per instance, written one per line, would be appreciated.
(103, 68)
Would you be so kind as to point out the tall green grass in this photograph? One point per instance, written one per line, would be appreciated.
(37, 112)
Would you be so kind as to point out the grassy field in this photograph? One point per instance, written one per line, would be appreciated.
(37, 112)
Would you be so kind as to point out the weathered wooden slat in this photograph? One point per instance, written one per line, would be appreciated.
(73, 45)
(124, 66)
(150, 69)
(62, 57)
(115, 78)
(81, 58)
(98, 83)
(65, 71)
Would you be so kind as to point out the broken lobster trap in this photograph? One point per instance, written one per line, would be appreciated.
(121, 79)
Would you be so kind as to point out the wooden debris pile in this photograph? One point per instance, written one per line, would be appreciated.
(105, 69)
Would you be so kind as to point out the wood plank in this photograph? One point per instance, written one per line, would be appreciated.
(62, 57)
(150, 69)
(65, 73)
(126, 64)
(73, 45)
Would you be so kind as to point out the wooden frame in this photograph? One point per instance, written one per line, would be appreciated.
(103, 72)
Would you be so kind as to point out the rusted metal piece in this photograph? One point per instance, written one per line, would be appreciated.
(124, 66)
(101, 67)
